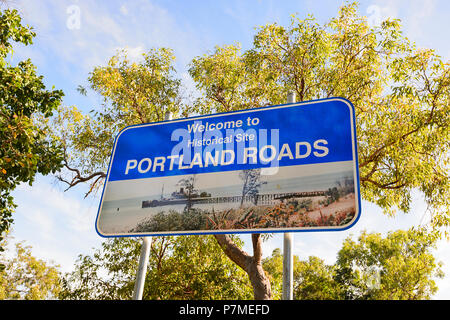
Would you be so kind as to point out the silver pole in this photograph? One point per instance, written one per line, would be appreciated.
(142, 269)
(145, 253)
(168, 115)
(288, 260)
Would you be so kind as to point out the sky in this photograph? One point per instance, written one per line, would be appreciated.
(74, 36)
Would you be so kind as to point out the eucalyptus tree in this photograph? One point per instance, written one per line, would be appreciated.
(398, 266)
(187, 267)
(133, 93)
(26, 277)
(400, 94)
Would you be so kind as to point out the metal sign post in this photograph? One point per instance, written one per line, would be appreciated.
(288, 261)
(145, 253)
(142, 269)
(288, 267)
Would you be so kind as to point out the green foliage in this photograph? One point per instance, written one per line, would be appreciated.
(273, 266)
(399, 266)
(27, 147)
(140, 92)
(26, 277)
(313, 279)
(400, 94)
(197, 269)
(185, 267)
(403, 261)
(108, 274)
(133, 93)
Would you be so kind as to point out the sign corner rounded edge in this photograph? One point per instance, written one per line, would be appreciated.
(347, 102)
(97, 229)
(354, 220)
(121, 131)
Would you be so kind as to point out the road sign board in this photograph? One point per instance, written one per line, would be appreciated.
(280, 168)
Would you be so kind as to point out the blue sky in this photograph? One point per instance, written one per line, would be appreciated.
(73, 36)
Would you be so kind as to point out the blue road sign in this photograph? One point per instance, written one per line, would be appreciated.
(281, 168)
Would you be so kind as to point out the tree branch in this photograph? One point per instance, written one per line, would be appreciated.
(79, 178)
(237, 255)
(257, 249)
(389, 185)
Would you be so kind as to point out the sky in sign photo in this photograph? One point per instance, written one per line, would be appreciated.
(74, 36)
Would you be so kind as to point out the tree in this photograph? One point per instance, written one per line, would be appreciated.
(188, 189)
(399, 266)
(26, 277)
(188, 267)
(400, 94)
(26, 147)
(252, 182)
(133, 93)
(273, 265)
(313, 279)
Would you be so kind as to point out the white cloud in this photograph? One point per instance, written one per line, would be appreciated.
(42, 221)
(420, 13)
(57, 205)
(414, 15)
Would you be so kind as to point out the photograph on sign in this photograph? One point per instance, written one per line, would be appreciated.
(280, 168)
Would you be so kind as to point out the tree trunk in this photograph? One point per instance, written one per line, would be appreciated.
(252, 265)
